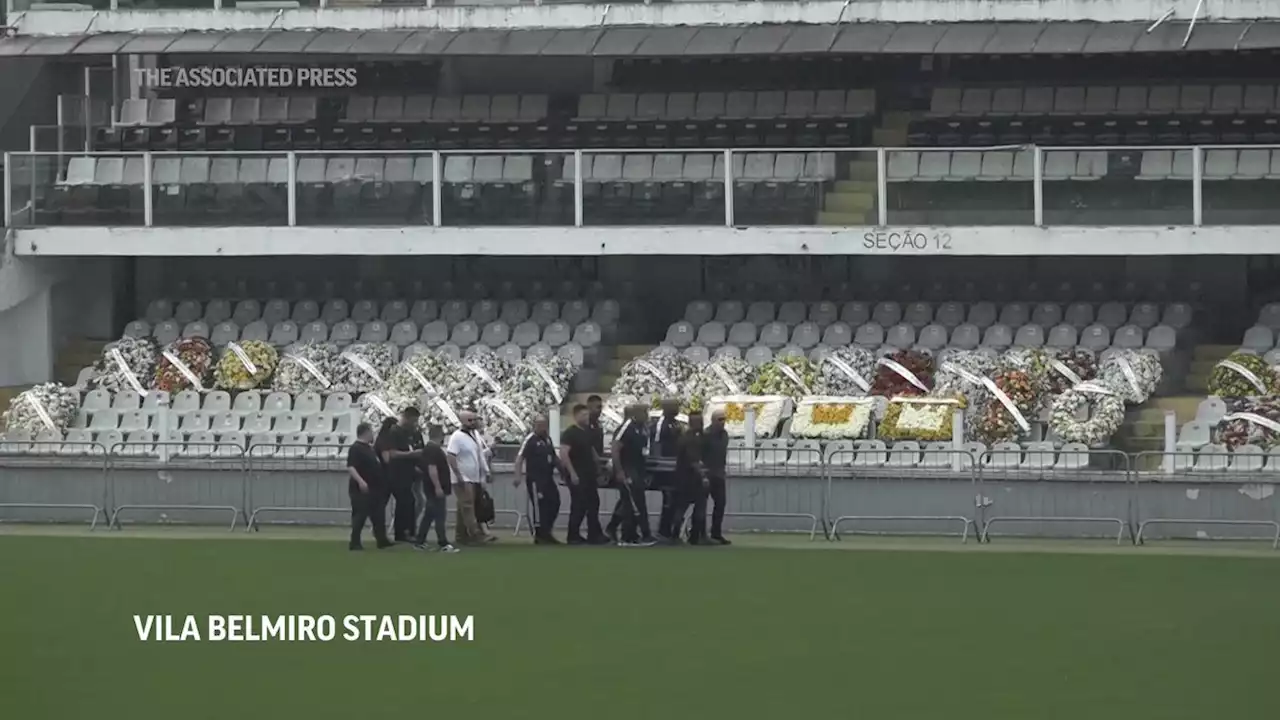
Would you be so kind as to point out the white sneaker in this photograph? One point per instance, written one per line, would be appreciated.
(449, 549)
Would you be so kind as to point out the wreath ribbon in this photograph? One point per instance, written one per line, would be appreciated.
(363, 364)
(41, 413)
(964, 374)
(847, 369)
(1129, 375)
(505, 409)
(126, 372)
(906, 374)
(422, 380)
(612, 414)
(484, 375)
(662, 377)
(1008, 404)
(381, 405)
(724, 378)
(1065, 372)
(546, 377)
(795, 377)
(244, 358)
(1245, 373)
(311, 368)
(1256, 419)
(448, 411)
(181, 367)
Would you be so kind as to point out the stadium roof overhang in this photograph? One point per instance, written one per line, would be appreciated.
(1012, 38)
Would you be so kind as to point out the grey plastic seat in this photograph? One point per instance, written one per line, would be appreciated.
(404, 333)
(587, 334)
(887, 314)
(484, 311)
(949, 314)
(760, 312)
(137, 329)
(901, 336)
(711, 335)
(742, 334)
(698, 312)
(773, 335)
(870, 335)
(198, 328)
(1162, 339)
(1015, 314)
(855, 314)
(1194, 434)
(806, 335)
(575, 311)
(1145, 315)
(680, 334)
(918, 314)
(374, 331)
(982, 315)
(526, 334)
(545, 312)
(1095, 337)
(837, 334)
(1212, 458)
(435, 333)
(823, 313)
(188, 311)
(1211, 410)
(224, 334)
(1112, 315)
(792, 313)
(464, 334)
(284, 334)
(730, 311)
(727, 351)
(276, 310)
(1046, 314)
(997, 336)
(758, 355)
(1029, 336)
(1128, 337)
(571, 352)
(696, 354)
(314, 332)
(1063, 337)
(557, 334)
(424, 311)
(514, 312)
(965, 337)
(495, 334)
(932, 337)
(1078, 315)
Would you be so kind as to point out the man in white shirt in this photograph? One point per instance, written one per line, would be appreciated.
(470, 468)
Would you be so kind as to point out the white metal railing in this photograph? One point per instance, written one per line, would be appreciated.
(15, 6)
(31, 173)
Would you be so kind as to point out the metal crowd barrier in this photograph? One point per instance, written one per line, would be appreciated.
(879, 493)
(1152, 495)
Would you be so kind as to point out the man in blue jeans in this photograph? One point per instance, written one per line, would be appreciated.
(436, 484)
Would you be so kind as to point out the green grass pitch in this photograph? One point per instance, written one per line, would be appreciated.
(740, 632)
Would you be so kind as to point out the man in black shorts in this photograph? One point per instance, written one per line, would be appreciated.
(629, 451)
(365, 486)
(580, 461)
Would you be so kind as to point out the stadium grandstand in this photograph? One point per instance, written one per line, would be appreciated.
(1056, 227)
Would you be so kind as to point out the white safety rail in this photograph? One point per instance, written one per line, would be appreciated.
(1032, 171)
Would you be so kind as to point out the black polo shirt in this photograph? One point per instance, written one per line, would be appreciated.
(404, 439)
(597, 434)
(364, 459)
(665, 435)
(689, 454)
(634, 440)
(434, 456)
(539, 454)
(582, 455)
(715, 451)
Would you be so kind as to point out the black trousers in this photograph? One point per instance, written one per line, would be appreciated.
(406, 508)
(544, 498)
(368, 506)
(718, 499)
(434, 514)
(631, 512)
(584, 504)
(690, 492)
(666, 483)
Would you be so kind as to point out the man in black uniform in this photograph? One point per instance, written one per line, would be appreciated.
(436, 485)
(403, 458)
(536, 465)
(715, 452)
(629, 451)
(663, 439)
(595, 406)
(691, 483)
(580, 461)
(366, 486)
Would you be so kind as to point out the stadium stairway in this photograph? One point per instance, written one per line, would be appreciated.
(78, 353)
(1143, 428)
(853, 201)
(609, 373)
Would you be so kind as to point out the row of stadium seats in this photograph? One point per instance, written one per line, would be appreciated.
(1104, 100)
(186, 423)
(203, 444)
(1110, 315)
(403, 334)
(998, 165)
(932, 337)
(245, 403)
(419, 312)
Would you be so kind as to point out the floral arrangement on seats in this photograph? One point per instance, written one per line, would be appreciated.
(832, 417)
(1068, 368)
(846, 371)
(50, 406)
(1009, 417)
(1251, 421)
(792, 376)
(128, 364)
(904, 373)
(1088, 413)
(961, 374)
(1132, 374)
(362, 367)
(247, 365)
(925, 419)
(661, 372)
(186, 363)
(541, 384)
(307, 367)
(1243, 375)
(722, 376)
(770, 411)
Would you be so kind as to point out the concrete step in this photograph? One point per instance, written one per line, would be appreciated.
(863, 169)
(839, 202)
(856, 186)
(848, 219)
(889, 137)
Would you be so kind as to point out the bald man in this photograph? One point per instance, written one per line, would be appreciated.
(536, 463)
(469, 467)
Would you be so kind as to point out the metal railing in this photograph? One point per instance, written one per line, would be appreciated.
(15, 6)
(952, 492)
(1112, 185)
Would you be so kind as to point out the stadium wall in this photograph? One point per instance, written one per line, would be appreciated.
(604, 241)
(587, 15)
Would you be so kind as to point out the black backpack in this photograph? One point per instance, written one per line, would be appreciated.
(484, 506)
